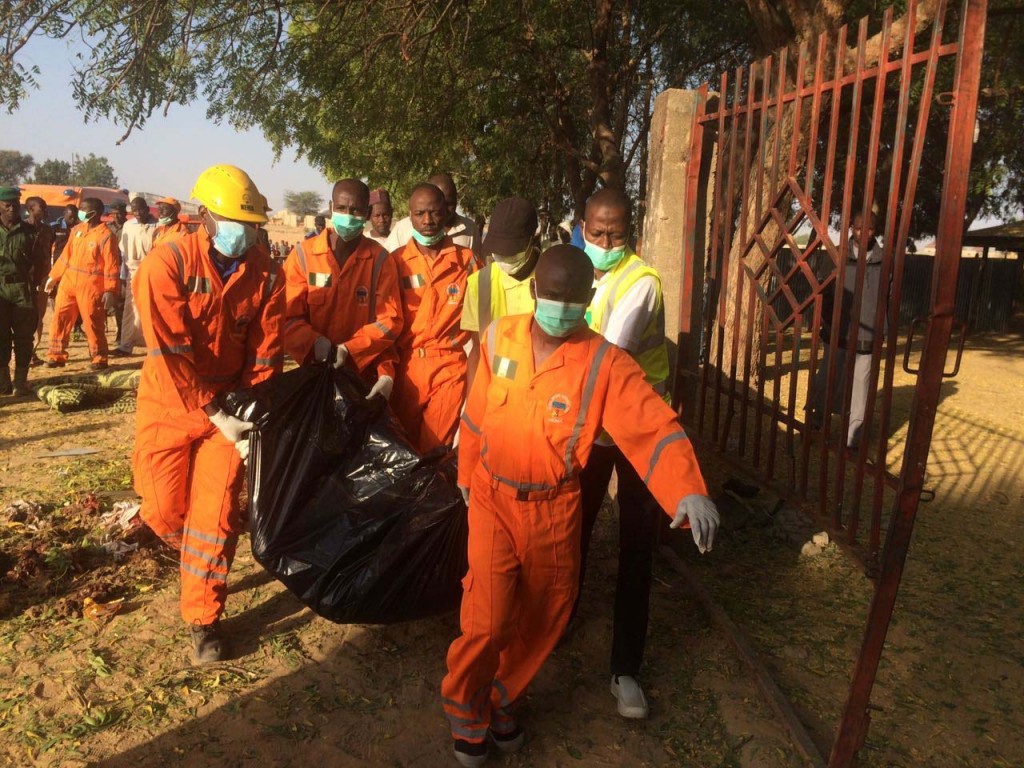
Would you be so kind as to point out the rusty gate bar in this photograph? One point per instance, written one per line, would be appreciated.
(776, 130)
(798, 149)
(901, 239)
(853, 727)
(869, 192)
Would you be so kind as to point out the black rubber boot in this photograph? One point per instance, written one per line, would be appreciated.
(208, 643)
(21, 382)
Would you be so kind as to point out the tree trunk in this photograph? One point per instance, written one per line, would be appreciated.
(610, 169)
(807, 20)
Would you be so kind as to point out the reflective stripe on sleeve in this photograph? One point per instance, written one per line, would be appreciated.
(383, 329)
(667, 440)
(181, 263)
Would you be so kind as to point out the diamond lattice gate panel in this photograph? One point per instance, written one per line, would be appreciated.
(826, 164)
(805, 146)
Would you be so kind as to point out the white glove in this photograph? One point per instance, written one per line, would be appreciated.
(233, 429)
(321, 349)
(109, 301)
(50, 286)
(465, 494)
(340, 355)
(242, 446)
(382, 387)
(703, 519)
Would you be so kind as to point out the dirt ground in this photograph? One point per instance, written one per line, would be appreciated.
(300, 690)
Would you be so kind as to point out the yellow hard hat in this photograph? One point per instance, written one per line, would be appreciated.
(229, 192)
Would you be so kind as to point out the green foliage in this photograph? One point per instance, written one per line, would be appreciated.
(543, 99)
(14, 166)
(92, 171)
(53, 171)
(303, 203)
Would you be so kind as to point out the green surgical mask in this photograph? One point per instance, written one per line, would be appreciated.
(603, 259)
(84, 216)
(559, 318)
(165, 220)
(347, 226)
(428, 240)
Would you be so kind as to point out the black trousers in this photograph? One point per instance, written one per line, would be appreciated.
(17, 329)
(638, 529)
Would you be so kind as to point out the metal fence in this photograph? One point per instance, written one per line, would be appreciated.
(804, 140)
(986, 292)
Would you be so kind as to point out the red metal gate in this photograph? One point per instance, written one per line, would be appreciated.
(803, 147)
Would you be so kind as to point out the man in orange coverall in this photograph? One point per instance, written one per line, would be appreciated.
(169, 226)
(87, 277)
(211, 305)
(545, 388)
(342, 291)
(432, 273)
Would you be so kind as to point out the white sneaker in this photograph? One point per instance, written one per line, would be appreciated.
(630, 695)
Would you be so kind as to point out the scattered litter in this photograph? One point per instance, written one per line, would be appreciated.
(810, 549)
(90, 504)
(22, 512)
(69, 452)
(123, 517)
(119, 548)
(116, 523)
(95, 611)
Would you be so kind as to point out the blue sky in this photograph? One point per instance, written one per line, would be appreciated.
(164, 157)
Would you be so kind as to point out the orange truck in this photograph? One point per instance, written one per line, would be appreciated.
(59, 195)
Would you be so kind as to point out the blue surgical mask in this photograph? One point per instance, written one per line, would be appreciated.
(233, 239)
(603, 259)
(559, 318)
(165, 220)
(428, 240)
(83, 216)
(347, 226)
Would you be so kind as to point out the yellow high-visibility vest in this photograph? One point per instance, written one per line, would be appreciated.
(491, 300)
(652, 353)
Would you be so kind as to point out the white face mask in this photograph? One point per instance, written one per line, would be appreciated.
(512, 264)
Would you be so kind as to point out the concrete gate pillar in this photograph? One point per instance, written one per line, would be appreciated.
(675, 229)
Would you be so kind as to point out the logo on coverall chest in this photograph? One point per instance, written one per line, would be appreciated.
(558, 407)
(362, 295)
(454, 292)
